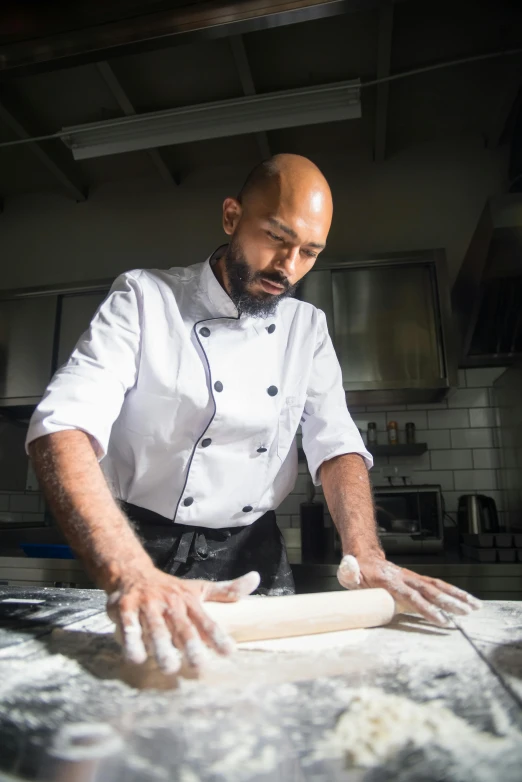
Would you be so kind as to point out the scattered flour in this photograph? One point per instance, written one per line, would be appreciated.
(377, 726)
(251, 725)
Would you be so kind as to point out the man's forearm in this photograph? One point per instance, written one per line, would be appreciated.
(77, 493)
(348, 495)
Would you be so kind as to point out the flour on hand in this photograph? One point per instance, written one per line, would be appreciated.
(349, 572)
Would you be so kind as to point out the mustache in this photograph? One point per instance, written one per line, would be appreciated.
(279, 279)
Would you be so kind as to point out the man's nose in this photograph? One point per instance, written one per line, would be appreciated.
(287, 261)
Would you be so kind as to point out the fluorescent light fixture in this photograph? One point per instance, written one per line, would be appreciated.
(249, 114)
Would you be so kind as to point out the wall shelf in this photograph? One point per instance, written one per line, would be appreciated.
(402, 449)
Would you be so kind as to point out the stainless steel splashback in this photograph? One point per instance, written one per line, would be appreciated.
(390, 323)
(487, 294)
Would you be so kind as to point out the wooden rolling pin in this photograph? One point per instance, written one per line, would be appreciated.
(259, 618)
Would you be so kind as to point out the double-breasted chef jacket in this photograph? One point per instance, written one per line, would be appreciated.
(193, 408)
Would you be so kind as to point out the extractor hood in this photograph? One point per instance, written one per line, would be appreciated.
(487, 295)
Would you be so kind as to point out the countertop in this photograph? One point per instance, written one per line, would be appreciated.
(70, 710)
(489, 581)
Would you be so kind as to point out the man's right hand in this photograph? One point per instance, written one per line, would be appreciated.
(162, 615)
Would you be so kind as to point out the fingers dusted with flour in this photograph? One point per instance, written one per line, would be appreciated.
(431, 598)
(349, 573)
(156, 615)
(163, 617)
(348, 494)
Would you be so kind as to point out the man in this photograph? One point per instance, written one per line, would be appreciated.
(190, 385)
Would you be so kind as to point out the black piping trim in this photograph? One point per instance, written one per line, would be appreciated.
(206, 320)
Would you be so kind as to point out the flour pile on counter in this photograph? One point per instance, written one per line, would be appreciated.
(378, 726)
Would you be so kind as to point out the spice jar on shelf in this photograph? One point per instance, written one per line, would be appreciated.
(410, 433)
(372, 434)
(393, 433)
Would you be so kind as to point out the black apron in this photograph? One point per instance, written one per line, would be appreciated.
(216, 554)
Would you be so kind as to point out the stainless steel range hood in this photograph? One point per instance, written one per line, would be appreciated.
(390, 321)
(487, 294)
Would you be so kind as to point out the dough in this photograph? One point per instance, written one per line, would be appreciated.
(305, 644)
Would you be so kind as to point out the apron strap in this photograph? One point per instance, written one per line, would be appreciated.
(181, 550)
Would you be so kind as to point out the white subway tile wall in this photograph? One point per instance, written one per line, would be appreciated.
(460, 433)
(452, 460)
(483, 416)
(429, 406)
(417, 417)
(25, 503)
(469, 397)
(448, 419)
(435, 439)
(22, 506)
(476, 480)
(472, 438)
(486, 458)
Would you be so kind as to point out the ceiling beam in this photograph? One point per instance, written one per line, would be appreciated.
(91, 31)
(59, 170)
(384, 46)
(247, 82)
(122, 99)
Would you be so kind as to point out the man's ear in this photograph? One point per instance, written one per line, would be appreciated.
(232, 211)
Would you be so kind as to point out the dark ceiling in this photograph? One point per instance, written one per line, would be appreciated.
(69, 63)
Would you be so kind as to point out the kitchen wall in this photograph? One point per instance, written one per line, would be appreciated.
(462, 456)
(427, 196)
(461, 433)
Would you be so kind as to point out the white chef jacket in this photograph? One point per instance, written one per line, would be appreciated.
(193, 409)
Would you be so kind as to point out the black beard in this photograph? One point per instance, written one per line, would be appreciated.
(240, 277)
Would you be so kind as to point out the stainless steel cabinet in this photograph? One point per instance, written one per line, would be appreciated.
(76, 312)
(39, 328)
(390, 323)
(27, 327)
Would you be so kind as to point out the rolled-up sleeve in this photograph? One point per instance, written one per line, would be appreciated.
(87, 393)
(327, 426)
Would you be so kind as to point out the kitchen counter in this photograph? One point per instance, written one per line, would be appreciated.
(491, 581)
(70, 710)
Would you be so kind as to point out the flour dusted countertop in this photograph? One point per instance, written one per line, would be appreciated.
(404, 702)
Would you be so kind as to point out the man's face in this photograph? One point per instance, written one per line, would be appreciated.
(274, 242)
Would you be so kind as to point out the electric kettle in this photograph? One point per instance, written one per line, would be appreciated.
(477, 514)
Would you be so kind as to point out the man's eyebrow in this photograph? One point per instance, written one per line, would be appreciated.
(290, 232)
(282, 227)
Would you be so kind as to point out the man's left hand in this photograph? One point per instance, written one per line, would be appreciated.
(429, 597)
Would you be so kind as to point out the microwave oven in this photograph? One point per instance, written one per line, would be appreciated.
(410, 519)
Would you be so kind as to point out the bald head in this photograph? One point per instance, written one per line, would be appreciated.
(288, 176)
(278, 225)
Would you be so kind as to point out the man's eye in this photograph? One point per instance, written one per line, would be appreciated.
(274, 236)
(310, 253)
